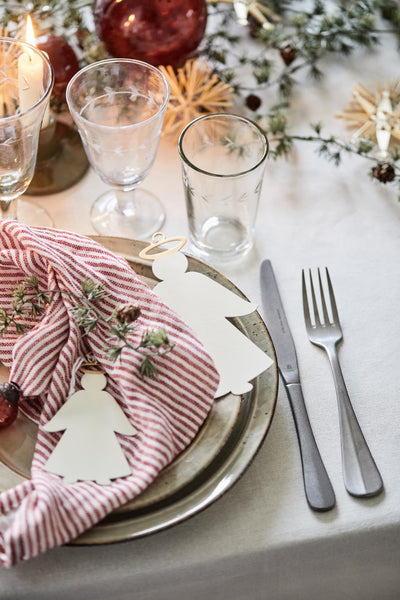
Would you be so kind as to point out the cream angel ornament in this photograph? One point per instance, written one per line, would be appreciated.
(89, 449)
(205, 305)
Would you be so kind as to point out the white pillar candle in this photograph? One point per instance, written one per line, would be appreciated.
(30, 76)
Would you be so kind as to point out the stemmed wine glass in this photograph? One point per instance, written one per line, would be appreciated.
(26, 81)
(118, 106)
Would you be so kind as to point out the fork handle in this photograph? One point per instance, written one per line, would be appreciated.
(360, 473)
(317, 486)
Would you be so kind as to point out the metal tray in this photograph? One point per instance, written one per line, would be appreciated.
(214, 461)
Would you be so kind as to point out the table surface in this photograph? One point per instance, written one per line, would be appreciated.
(261, 540)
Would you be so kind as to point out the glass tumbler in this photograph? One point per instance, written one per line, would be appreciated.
(26, 81)
(223, 161)
(118, 106)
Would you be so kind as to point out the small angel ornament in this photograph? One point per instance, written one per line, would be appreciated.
(89, 449)
(204, 305)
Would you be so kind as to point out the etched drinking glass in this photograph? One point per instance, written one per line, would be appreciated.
(118, 106)
(26, 81)
(223, 161)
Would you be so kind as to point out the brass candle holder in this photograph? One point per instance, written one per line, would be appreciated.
(61, 160)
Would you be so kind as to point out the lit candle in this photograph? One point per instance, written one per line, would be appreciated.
(30, 75)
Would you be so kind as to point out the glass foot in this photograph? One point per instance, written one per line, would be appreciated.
(138, 218)
(61, 160)
(30, 213)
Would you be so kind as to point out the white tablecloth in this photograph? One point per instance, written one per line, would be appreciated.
(261, 540)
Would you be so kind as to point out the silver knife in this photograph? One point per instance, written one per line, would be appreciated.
(318, 488)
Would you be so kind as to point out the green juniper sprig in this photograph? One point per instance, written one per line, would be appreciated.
(299, 42)
(28, 302)
(24, 304)
(333, 149)
(71, 19)
(302, 36)
(309, 35)
(312, 33)
(153, 342)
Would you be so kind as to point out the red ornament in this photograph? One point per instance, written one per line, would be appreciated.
(63, 60)
(159, 32)
(9, 396)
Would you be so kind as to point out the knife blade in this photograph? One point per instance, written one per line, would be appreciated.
(317, 486)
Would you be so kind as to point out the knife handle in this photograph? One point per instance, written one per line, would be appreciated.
(318, 488)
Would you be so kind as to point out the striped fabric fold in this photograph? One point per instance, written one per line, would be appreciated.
(166, 412)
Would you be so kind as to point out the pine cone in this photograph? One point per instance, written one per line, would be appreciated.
(253, 102)
(128, 313)
(254, 26)
(288, 54)
(383, 172)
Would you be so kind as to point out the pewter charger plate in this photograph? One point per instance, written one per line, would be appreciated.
(222, 450)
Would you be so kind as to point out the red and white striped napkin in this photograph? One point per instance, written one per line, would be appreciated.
(166, 412)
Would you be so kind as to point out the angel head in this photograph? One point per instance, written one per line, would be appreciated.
(93, 381)
(170, 266)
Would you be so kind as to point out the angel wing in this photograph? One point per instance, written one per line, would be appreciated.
(66, 415)
(78, 411)
(117, 418)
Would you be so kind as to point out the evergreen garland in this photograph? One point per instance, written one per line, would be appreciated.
(299, 40)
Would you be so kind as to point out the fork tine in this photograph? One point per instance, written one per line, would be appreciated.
(324, 309)
(335, 314)
(306, 309)
(314, 301)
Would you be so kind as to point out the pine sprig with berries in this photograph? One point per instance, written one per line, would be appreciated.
(29, 302)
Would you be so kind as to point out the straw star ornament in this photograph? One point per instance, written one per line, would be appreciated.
(195, 90)
(375, 115)
(258, 10)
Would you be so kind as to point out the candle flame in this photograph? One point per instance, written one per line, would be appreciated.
(29, 33)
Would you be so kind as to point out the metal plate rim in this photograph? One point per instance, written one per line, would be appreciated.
(216, 487)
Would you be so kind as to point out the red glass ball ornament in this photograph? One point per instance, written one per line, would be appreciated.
(63, 60)
(9, 396)
(159, 32)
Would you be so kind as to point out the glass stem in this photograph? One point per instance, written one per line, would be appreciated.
(8, 209)
(126, 202)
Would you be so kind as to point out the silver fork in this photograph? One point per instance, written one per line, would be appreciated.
(360, 473)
